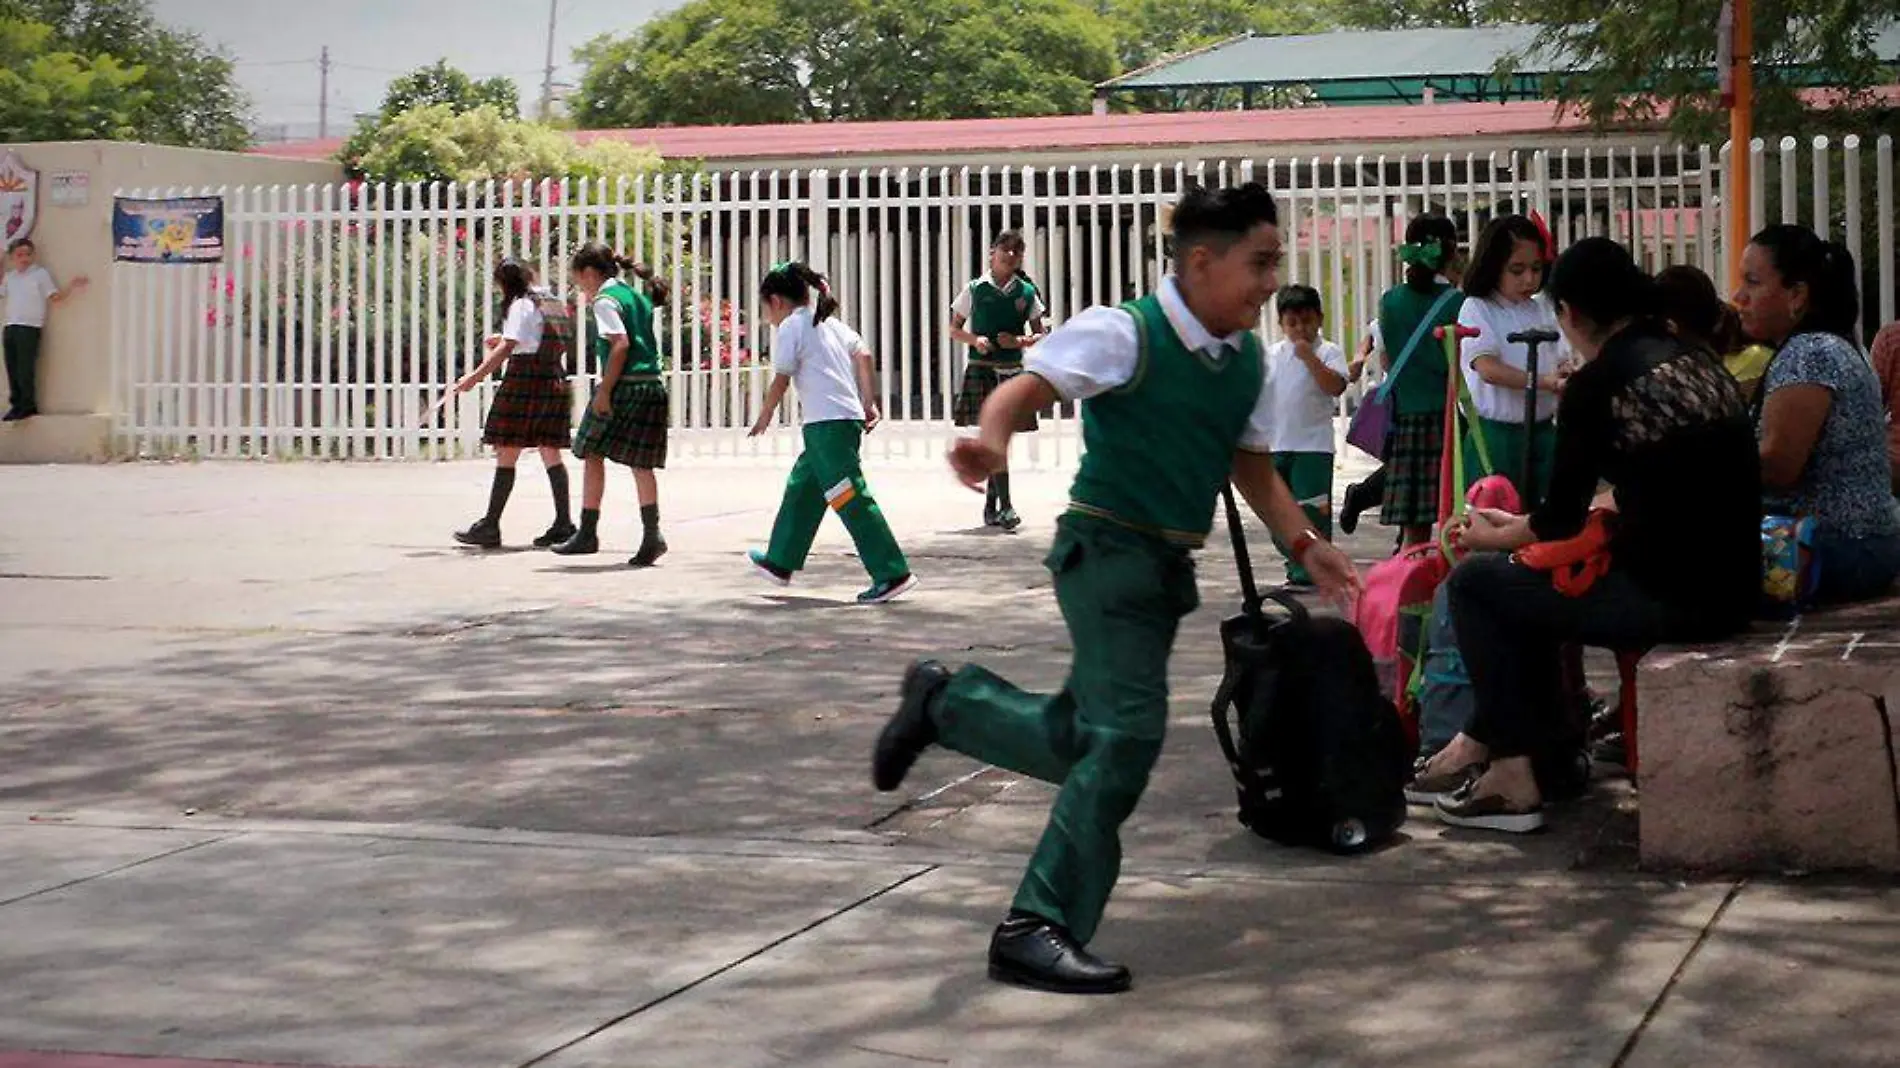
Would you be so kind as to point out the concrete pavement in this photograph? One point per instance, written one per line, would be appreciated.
(287, 778)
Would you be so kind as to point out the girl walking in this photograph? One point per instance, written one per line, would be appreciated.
(1417, 380)
(1502, 288)
(828, 362)
(532, 408)
(998, 315)
(627, 418)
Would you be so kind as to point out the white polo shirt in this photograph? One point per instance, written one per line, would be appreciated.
(523, 326)
(819, 359)
(1300, 418)
(1100, 349)
(28, 293)
(1495, 322)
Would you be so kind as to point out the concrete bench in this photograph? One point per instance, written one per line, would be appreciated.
(1776, 751)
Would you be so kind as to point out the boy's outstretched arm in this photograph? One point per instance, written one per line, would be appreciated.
(1267, 494)
(976, 459)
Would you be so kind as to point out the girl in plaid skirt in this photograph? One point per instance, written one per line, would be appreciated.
(532, 407)
(1428, 298)
(627, 418)
(998, 315)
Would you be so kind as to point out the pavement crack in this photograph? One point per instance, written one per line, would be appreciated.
(1675, 977)
(654, 1003)
(894, 1055)
(128, 866)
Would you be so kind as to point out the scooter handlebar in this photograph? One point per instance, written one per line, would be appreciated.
(1459, 331)
(1540, 336)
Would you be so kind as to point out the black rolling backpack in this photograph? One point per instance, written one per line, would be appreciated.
(1318, 753)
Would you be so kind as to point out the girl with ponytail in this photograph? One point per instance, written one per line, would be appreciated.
(999, 315)
(626, 420)
(1818, 410)
(837, 390)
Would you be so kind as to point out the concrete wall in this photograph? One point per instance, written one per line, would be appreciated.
(76, 363)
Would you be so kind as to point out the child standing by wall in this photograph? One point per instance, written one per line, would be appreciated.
(627, 419)
(532, 408)
(29, 291)
(1305, 376)
(1176, 407)
(998, 315)
(1506, 274)
(828, 362)
(1418, 376)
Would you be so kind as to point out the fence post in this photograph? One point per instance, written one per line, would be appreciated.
(818, 241)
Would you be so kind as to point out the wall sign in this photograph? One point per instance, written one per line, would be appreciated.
(182, 230)
(19, 198)
(69, 189)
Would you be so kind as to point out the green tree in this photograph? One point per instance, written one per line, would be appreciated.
(439, 90)
(1636, 61)
(188, 90)
(1415, 14)
(436, 143)
(55, 95)
(761, 61)
(1150, 30)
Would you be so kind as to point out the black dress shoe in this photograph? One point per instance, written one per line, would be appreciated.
(649, 552)
(1035, 953)
(555, 535)
(581, 544)
(483, 535)
(1356, 501)
(911, 730)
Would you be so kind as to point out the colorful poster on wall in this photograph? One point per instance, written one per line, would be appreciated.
(19, 198)
(182, 230)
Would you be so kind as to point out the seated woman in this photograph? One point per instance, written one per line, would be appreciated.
(1660, 420)
(1885, 356)
(1819, 413)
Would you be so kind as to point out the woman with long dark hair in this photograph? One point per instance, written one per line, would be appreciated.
(532, 408)
(1663, 424)
(1818, 410)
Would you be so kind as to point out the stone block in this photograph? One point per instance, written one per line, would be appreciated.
(57, 439)
(1775, 752)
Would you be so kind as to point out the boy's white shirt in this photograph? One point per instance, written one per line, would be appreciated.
(523, 326)
(1301, 413)
(820, 359)
(965, 302)
(1100, 349)
(28, 294)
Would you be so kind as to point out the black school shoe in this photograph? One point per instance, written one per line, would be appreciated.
(1029, 951)
(485, 534)
(556, 535)
(581, 544)
(15, 415)
(649, 553)
(911, 730)
(1357, 500)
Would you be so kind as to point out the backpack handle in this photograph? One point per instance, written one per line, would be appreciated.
(1252, 600)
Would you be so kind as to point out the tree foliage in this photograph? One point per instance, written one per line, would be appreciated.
(765, 61)
(1416, 14)
(439, 90)
(1151, 30)
(108, 68)
(1635, 61)
(436, 143)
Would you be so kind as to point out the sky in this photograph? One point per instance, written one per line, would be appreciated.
(276, 44)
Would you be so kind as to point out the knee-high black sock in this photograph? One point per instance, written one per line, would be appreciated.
(498, 492)
(650, 520)
(590, 520)
(989, 495)
(557, 481)
(999, 483)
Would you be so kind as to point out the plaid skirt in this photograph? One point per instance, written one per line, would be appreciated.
(979, 381)
(635, 434)
(1412, 456)
(533, 408)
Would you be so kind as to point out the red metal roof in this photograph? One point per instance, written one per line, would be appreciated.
(1069, 132)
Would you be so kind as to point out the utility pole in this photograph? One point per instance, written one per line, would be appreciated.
(1741, 100)
(323, 102)
(547, 79)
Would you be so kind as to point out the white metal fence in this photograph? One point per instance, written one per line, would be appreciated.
(343, 313)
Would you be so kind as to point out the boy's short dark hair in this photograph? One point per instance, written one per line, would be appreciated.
(1298, 298)
(1219, 217)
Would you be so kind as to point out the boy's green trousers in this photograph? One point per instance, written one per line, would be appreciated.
(1122, 594)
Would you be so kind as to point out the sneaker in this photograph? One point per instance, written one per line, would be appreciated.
(485, 534)
(1007, 519)
(650, 552)
(886, 592)
(1488, 812)
(581, 544)
(1430, 789)
(556, 535)
(768, 570)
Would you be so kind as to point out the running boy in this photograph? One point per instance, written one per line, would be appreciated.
(29, 291)
(1305, 376)
(627, 419)
(998, 315)
(828, 362)
(1175, 407)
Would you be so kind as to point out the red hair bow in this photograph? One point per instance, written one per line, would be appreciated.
(1550, 243)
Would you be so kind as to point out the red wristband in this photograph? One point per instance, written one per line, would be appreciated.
(1305, 540)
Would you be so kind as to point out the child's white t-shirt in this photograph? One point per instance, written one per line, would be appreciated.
(28, 293)
(523, 326)
(819, 358)
(1496, 321)
(1302, 412)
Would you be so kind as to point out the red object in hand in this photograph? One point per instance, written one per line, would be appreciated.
(1457, 330)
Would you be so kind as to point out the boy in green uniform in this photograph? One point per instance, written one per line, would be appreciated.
(998, 315)
(1175, 408)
